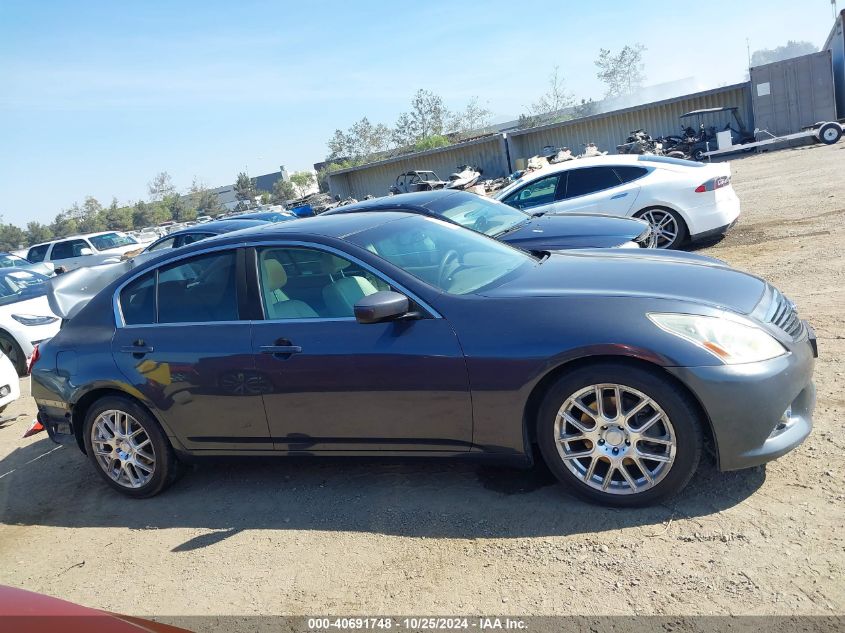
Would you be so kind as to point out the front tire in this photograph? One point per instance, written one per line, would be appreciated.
(13, 352)
(830, 133)
(667, 227)
(636, 454)
(128, 447)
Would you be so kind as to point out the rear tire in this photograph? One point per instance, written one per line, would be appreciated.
(830, 133)
(616, 443)
(667, 227)
(128, 447)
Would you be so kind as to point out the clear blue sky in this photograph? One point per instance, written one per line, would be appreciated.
(98, 96)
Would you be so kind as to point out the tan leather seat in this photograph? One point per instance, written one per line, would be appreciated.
(279, 305)
(343, 292)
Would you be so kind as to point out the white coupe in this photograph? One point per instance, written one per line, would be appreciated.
(25, 315)
(680, 199)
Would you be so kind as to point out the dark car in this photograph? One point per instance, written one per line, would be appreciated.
(398, 334)
(198, 232)
(267, 216)
(530, 232)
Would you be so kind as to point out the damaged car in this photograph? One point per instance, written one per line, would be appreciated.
(404, 335)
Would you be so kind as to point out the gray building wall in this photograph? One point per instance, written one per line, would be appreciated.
(836, 45)
(609, 129)
(794, 93)
(488, 153)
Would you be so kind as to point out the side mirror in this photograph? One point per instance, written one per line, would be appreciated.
(385, 305)
(85, 251)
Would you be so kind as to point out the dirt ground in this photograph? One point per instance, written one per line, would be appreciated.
(428, 537)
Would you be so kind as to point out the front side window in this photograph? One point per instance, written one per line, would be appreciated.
(162, 244)
(541, 191)
(36, 254)
(306, 283)
(443, 255)
(589, 180)
(197, 290)
(68, 249)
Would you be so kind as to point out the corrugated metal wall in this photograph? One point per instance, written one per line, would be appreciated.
(606, 130)
(612, 128)
(375, 178)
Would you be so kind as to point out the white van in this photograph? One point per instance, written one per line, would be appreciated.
(78, 251)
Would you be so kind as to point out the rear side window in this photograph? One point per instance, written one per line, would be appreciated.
(589, 180)
(628, 173)
(37, 253)
(197, 290)
(68, 249)
(190, 238)
(138, 301)
(163, 244)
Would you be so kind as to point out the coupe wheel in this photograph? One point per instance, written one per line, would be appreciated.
(619, 435)
(667, 227)
(14, 353)
(128, 448)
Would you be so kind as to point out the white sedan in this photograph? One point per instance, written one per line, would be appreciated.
(25, 315)
(680, 199)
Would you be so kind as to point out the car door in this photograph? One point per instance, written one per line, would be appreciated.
(181, 342)
(535, 196)
(69, 253)
(597, 190)
(339, 385)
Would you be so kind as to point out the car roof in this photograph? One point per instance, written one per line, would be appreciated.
(417, 201)
(76, 237)
(219, 226)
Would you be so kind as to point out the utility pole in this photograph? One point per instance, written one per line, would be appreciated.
(748, 48)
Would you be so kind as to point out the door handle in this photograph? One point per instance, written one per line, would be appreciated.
(280, 349)
(137, 349)
(619, 195)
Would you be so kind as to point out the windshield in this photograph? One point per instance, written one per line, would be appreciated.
(480, 214)
(7, 260)
(19, 285)
(111, 240)
(443, 255)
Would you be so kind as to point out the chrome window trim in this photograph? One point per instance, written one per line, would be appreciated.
(118, 312)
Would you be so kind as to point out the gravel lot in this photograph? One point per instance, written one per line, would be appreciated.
(414, 537)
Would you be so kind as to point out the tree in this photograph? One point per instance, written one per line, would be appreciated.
(549, 107)
(205, 201)
(161, 186)
(622, 74)
(787, 51)
(473, 118)
(427, 117)
(145, 214)
(91, 218)
(303, 181)
(37, 233)
(117, 218)
(283, 190)
(431, 142)
(179, 208)
(11, 237)
(360, 142)
(245, 190)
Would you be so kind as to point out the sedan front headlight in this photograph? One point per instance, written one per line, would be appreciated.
(731, 342)
(31, 319)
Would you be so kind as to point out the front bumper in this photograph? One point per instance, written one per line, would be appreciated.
(758, 411)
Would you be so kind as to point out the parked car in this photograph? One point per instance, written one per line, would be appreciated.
(680, 199)
(10, 389)
(267, 216)
(29, 612)
(537, 232)
(411, 181)
(83, 250)
(181, 238)
(398, 334)
(25, 315)
(10, 260)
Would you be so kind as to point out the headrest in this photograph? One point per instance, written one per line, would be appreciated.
(332, 265)
(276, 275)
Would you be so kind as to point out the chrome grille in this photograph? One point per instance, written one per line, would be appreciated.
(782, 314)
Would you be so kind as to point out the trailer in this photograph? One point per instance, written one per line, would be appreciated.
(827, 132)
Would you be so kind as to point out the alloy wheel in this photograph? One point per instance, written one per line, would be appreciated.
(664, 227)
(123, 449)
(615, 439)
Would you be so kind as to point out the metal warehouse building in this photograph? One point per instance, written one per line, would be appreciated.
(497, 154)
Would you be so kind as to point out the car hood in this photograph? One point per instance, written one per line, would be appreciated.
(37, 306)
(574, 230)
(621, 273)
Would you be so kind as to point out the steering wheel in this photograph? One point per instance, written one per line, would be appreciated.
(481, 224)
(441, 273)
